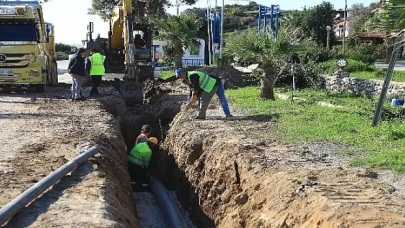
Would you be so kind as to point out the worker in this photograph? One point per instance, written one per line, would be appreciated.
(139, 42)
(138, 162)
(77, 69)
(145, 132)
(97, 64)
(204, 87)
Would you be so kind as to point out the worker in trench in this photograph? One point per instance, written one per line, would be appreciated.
(146, 130)
(204, 87)
(138, 163)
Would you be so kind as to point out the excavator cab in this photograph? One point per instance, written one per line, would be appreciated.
(142, 34)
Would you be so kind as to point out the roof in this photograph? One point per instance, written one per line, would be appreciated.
(372, 35)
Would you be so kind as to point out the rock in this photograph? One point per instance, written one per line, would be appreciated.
(241, 198)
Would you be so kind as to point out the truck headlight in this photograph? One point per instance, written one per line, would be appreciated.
(33, 58)
(32, 73)
(20, 11)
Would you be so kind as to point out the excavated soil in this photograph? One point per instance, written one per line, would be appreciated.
(41, 132)
(234, 173)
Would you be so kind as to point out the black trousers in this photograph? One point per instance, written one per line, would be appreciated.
(138, 174)
(96, 79)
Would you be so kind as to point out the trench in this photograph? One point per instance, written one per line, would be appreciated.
(160, 114)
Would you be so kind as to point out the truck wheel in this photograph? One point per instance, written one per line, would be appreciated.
(40, 88)
(52, 75)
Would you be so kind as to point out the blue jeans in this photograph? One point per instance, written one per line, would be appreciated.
(222, 98)
(221, 95)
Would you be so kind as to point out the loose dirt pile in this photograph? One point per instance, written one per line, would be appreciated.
(233, 78)
(39, 134)
(235, 174)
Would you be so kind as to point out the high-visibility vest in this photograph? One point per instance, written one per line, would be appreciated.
(97, 64)
(206, 82)
(140, 155)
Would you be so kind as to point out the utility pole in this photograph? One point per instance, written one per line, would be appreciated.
(328, 28)
(209, 32)
(177, 5)
(344, 29)
(213, 32)
(221, 47)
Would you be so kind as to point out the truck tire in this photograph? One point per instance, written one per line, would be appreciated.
(52, 75)
(40, 88)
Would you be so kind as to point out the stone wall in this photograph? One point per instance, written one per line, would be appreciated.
(360, 85)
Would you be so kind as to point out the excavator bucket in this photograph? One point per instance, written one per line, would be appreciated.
(131, 92)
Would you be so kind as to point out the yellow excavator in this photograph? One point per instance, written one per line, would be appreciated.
(128, 48)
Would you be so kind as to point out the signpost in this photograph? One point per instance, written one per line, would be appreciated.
(398, 44)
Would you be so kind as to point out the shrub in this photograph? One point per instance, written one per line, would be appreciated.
(308, 75)
(353, 65)
(315, 53)
(61, 56)
(368, 59)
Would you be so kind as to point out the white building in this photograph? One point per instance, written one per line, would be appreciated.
(193, 57)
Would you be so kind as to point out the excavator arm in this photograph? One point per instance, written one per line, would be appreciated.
(129, 40)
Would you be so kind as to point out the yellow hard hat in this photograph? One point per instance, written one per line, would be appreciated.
(153, 140)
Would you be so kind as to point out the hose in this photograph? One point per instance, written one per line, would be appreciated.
(10, 209)
(169, 209)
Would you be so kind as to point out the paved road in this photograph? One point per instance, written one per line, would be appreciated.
(400, 65)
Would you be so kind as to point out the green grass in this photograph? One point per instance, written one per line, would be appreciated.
(398, 75)
(167, 73)
(382, 147)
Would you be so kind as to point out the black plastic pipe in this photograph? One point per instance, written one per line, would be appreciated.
(169, 208)
(10, 209)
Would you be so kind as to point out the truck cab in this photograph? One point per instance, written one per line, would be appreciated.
(26, 56)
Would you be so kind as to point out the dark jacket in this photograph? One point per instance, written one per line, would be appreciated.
(77, 65)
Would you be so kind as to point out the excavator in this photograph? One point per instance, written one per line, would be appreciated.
(128, 48)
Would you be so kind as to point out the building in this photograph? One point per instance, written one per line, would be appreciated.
(192, 57)
(338, 26)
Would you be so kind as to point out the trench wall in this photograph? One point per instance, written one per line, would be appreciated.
(117, 192)
(235, 174)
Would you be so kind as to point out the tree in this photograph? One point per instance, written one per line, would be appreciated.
(319, 17)
(155, 8)
(272, 53)
(359, 16)
(313, 22)
(181, 32)
(199, 12)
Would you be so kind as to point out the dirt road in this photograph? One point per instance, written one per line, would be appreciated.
(39, 134)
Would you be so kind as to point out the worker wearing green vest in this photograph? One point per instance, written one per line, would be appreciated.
(138, 162)
(97, 70)
(204, 87)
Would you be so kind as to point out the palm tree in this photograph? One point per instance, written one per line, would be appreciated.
(180, 32)
(271, 53)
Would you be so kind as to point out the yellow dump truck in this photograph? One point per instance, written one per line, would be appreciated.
(27, 47)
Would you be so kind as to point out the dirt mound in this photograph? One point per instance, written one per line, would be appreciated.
(233, 78)
(235, 174)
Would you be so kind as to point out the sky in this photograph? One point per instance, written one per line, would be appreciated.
(70, 17)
